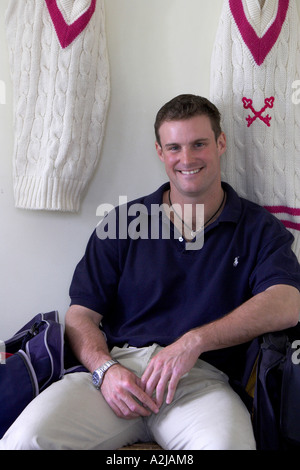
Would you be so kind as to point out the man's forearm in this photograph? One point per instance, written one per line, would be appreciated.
(121, 388)
(85, 337)
(275, 309)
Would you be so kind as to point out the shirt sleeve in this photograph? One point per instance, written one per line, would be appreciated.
(96, 277)
(276, 261)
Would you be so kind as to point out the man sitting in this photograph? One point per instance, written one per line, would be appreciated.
(161, 322)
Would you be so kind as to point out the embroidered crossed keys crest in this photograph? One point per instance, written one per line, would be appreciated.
(248, 104)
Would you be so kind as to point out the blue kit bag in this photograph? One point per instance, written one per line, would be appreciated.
(276, 400)
(36, 359)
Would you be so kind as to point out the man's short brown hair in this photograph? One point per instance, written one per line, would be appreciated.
(185, 107)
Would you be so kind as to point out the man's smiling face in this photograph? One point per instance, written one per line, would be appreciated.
(191, 156)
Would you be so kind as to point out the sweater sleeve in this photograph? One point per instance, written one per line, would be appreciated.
(60, 74)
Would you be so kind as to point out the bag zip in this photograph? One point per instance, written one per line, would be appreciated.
(31, 372)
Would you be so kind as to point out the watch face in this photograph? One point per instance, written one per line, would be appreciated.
(95, 378)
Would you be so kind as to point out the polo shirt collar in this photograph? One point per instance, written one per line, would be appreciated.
(233, 207)
(230, 213)
(156, 197)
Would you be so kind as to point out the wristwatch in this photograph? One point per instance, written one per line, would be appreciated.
(98, 374)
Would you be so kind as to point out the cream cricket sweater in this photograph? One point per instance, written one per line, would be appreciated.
(255, 63)
(60, 75)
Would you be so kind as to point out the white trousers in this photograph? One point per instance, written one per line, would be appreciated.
(71, 414)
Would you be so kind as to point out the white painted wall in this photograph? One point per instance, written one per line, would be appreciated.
(157, 49)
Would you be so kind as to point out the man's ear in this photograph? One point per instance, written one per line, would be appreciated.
(221, 143)
(159, 151)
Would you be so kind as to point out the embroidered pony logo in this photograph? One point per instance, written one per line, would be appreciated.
(248, 104)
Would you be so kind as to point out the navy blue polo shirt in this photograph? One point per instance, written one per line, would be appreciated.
(154, 290)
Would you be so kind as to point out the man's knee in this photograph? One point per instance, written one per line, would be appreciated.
(32, 436)
(234, 441)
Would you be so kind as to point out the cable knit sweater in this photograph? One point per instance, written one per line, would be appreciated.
(254, 69)
(60, 75)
